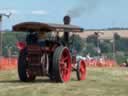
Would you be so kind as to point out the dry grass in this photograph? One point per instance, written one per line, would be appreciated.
(99, 82)
(107, 34)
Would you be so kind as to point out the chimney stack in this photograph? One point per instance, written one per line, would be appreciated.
(66, 21)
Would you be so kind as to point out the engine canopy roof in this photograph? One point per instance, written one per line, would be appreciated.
(45, 27)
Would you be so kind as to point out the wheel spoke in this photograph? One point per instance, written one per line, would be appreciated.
(61, 63)
(65, 73)
(29, 73)
(66, 58)
(64, 76)
(82, 70)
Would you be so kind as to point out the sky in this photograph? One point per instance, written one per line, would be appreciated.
(89, 14)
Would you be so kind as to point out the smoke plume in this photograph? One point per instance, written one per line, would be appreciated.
(83, 7)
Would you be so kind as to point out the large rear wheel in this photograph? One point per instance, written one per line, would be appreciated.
(61, 64)
(24, 73)
(81, 70)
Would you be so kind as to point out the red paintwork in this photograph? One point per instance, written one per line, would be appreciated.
(82, 70)
(65, 65)
(20, 45)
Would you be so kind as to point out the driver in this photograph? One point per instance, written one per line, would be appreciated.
(31, 38)
(41, 38)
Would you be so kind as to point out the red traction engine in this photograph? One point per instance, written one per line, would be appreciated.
(53, 57)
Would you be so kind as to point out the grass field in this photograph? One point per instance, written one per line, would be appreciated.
(99, 82)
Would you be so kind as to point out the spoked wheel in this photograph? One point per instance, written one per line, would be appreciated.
(81, 70)
(61, 64)
(24, 73)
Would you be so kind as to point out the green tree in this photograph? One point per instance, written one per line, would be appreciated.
(9, 42)
(76, 43)
(92, 39)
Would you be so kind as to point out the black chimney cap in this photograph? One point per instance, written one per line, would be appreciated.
(67, 19)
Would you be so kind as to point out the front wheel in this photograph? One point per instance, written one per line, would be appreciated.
(81, 70)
